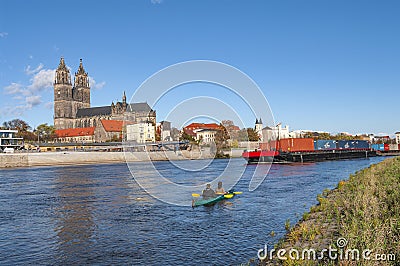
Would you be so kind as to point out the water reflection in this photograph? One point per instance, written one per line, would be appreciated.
(74, 214)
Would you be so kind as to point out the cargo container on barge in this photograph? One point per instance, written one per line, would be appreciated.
(322, 144)
(308, 150)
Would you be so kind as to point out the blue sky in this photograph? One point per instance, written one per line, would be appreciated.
(323, 65)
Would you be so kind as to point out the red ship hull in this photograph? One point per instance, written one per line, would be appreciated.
(260, 156)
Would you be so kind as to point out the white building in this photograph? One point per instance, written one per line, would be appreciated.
(8, 139)
(141, 132)
(397, 137)
(206, 136)
(276, 132)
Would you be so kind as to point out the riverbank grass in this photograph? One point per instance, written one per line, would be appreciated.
(363, 212)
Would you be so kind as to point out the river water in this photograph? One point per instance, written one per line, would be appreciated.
(97, 214)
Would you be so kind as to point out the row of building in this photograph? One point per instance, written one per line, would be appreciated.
(142, 132)
(116, 131)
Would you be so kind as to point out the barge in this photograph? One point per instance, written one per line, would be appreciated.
(308, 150)
(305, 156)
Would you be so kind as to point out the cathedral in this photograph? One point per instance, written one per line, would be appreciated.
(72, 103)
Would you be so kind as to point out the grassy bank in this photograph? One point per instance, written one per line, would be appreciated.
(364, 210)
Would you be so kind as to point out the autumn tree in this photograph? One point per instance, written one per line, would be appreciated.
(308, 135)
(342, 136)
(242, 135)
(22, 127)
(27, 136)
(17, 124)
(221, 137)
(231, 129)
(252, 134)
(158, 135)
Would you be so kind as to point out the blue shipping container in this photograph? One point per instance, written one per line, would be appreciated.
(345, 144)
(361, 144)
(322, 144)
(352, 144)
(378, 147)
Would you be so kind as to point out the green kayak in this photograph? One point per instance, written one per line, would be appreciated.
(209, 202)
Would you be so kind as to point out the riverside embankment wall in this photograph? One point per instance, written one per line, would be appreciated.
(71, 158)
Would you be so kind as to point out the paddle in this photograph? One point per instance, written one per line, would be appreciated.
(195, 195)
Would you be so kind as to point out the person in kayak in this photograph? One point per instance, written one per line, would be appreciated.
(208, 193)
(220, 190)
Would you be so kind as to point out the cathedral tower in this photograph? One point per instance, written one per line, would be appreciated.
(63, 97)
(82, 88)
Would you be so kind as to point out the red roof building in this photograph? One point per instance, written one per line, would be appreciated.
(194, 126)
(81, 134)
(75, 132)
(202, 131)
(112, 125)
(110, 130)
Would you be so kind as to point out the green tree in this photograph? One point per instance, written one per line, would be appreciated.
(45, 132)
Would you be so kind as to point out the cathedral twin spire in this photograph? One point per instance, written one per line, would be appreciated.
(81, 77)
(63, 75)
(80, 92)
